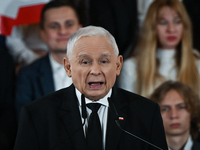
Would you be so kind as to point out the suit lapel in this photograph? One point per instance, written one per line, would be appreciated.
(117, 105)
(46, 77)
(70, 116)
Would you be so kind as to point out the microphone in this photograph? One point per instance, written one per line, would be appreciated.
(119, 126)
(84, 116)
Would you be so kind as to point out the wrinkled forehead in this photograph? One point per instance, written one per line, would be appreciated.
(94, 43)
(91, 38)
(88, 40)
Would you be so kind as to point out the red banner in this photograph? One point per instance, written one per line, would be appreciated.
(26, 15)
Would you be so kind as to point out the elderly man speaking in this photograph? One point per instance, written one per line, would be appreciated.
(91, 114)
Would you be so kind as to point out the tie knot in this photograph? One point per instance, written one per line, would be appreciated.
(94, 106)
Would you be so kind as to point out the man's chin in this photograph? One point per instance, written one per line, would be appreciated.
(95, 96)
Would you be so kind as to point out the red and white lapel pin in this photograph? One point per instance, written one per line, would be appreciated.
(121, 118)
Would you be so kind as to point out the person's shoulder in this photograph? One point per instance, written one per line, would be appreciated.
(129, 66)
(196, 146)
(133, 98)
(198, 65)
(130, 61)
(198, 62)
(196, 53)
(38, 62)
(33, 67)
(138, 105)
(49, 101)
(47, 106)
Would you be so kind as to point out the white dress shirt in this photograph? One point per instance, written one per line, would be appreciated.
(60, 78)
(128, 76)
(102, 112)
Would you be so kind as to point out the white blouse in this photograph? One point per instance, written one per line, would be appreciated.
(128, 77)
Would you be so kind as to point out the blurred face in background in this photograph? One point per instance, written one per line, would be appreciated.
(169, 28)
(176, 118)
(59, 24)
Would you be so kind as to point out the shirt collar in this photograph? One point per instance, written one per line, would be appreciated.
(54, 64)
(188, 144)
(103, 101)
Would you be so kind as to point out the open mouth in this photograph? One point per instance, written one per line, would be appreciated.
(95, 83)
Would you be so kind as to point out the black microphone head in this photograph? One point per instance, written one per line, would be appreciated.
(83, 107)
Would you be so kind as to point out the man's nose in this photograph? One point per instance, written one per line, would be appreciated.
(174, 113)
(95, 69)
(63, 30)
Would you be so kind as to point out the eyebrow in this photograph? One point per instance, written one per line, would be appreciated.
(175, 17)
(83, 56)
(69, 21)
(178, 17)
(106, 55)
(53, 23)
(167, 105)
(86, 55)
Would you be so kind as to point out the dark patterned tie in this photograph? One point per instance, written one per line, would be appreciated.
(94, 134)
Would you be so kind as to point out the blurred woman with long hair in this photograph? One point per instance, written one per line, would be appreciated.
(164, 51)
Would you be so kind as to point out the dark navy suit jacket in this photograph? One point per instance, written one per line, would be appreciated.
(34, 81)
(53, 122)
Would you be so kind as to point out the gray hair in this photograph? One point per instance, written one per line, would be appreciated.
(90, 31)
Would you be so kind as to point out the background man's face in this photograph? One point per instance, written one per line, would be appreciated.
(176, 118)
(93, 66)
(59, 24)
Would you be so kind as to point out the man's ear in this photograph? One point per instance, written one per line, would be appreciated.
(119, 64)
(67, 66)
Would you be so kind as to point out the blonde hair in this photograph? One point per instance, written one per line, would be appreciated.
(148, 77)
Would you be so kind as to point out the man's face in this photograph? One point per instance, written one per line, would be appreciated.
(175, 116)
(93, 66)
(59, 24)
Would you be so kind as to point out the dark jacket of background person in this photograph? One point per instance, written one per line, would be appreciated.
(33, 82)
